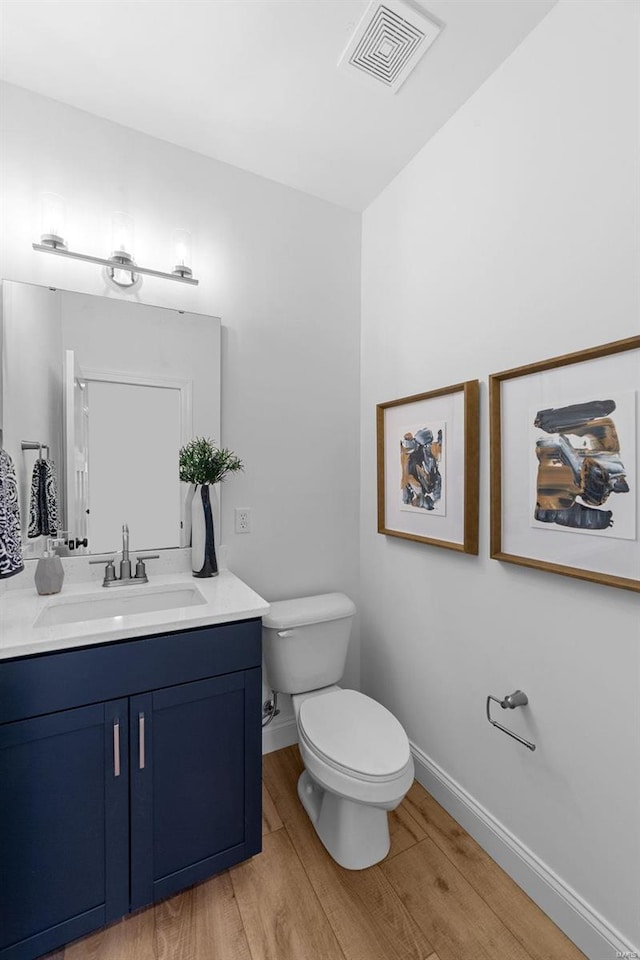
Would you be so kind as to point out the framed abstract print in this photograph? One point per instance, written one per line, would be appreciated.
(564, 464)
(428, 467)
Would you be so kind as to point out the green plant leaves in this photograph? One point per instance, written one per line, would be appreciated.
(202, 462)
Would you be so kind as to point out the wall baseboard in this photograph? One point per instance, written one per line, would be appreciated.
(581, 923)
(279, 734)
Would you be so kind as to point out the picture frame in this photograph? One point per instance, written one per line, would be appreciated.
(428, 467)
(564, 471)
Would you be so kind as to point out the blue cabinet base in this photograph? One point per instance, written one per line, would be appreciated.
(129, 772)
(55, 937)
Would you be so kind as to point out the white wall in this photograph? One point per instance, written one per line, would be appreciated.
(280, 268)
(511, 237)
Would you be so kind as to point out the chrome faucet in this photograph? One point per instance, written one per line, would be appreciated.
(110, 578)
(125, 563)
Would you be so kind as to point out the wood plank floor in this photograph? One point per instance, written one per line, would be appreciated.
(436, 896)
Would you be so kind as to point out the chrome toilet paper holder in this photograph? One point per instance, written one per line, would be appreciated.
(511, 701)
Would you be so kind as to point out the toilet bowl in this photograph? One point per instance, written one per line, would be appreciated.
(358, 766)
(356, 754)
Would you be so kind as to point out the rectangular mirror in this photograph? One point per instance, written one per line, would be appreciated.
(107, 391)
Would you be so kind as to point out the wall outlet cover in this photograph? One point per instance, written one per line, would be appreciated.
(242, 520)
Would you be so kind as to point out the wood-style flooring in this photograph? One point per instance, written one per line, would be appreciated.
(437, 896)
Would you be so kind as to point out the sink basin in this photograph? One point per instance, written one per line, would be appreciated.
(118, 604)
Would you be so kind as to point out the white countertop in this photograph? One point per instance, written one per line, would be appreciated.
(226, 597)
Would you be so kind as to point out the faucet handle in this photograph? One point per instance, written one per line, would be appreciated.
(141, 572)
(109, 570)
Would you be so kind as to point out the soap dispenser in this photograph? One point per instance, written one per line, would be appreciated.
(49, 570)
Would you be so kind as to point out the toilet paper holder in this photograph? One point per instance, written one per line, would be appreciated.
(511, 701)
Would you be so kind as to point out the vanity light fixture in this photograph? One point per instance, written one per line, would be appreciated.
(121, 267)
(121, 253)
(52, 221)
(182, 244)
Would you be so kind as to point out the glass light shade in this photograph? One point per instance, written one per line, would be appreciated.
(182, 252)
(52, 214)
(122, 235)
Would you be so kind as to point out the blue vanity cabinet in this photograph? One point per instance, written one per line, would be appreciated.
(128, 771)
(64, 824)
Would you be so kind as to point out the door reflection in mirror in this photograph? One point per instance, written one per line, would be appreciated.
(155, 374)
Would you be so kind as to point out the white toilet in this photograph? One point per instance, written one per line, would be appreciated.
(356, 754)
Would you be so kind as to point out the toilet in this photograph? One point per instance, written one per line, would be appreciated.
(357, 760)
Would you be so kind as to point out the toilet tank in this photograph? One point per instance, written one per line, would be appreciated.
(305, 641)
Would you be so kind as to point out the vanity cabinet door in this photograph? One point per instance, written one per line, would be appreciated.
(64, 826)
(195, 782)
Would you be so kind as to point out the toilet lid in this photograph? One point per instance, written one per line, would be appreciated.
(355, 732)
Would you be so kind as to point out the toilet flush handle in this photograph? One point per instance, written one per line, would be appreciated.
(285, 633)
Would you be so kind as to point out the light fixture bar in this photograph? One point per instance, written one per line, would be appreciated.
(114, 264)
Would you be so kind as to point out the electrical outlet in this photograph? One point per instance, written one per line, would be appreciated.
(242, 520)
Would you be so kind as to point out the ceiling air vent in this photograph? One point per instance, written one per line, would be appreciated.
(388, 42)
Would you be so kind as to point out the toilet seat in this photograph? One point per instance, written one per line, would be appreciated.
(356, 737)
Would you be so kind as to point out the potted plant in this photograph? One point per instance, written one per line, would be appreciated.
(203, 465)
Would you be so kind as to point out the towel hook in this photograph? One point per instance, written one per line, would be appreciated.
(511, 701)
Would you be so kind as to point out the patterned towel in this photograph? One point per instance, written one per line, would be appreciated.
(10, 540)
(43, 503)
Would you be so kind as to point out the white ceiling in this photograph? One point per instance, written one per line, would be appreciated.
(255, 82)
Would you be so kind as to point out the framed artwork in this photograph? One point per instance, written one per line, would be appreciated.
(428, 456)
(564, 464)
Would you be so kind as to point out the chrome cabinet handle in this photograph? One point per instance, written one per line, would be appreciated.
(116, 748)
(141, 757)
